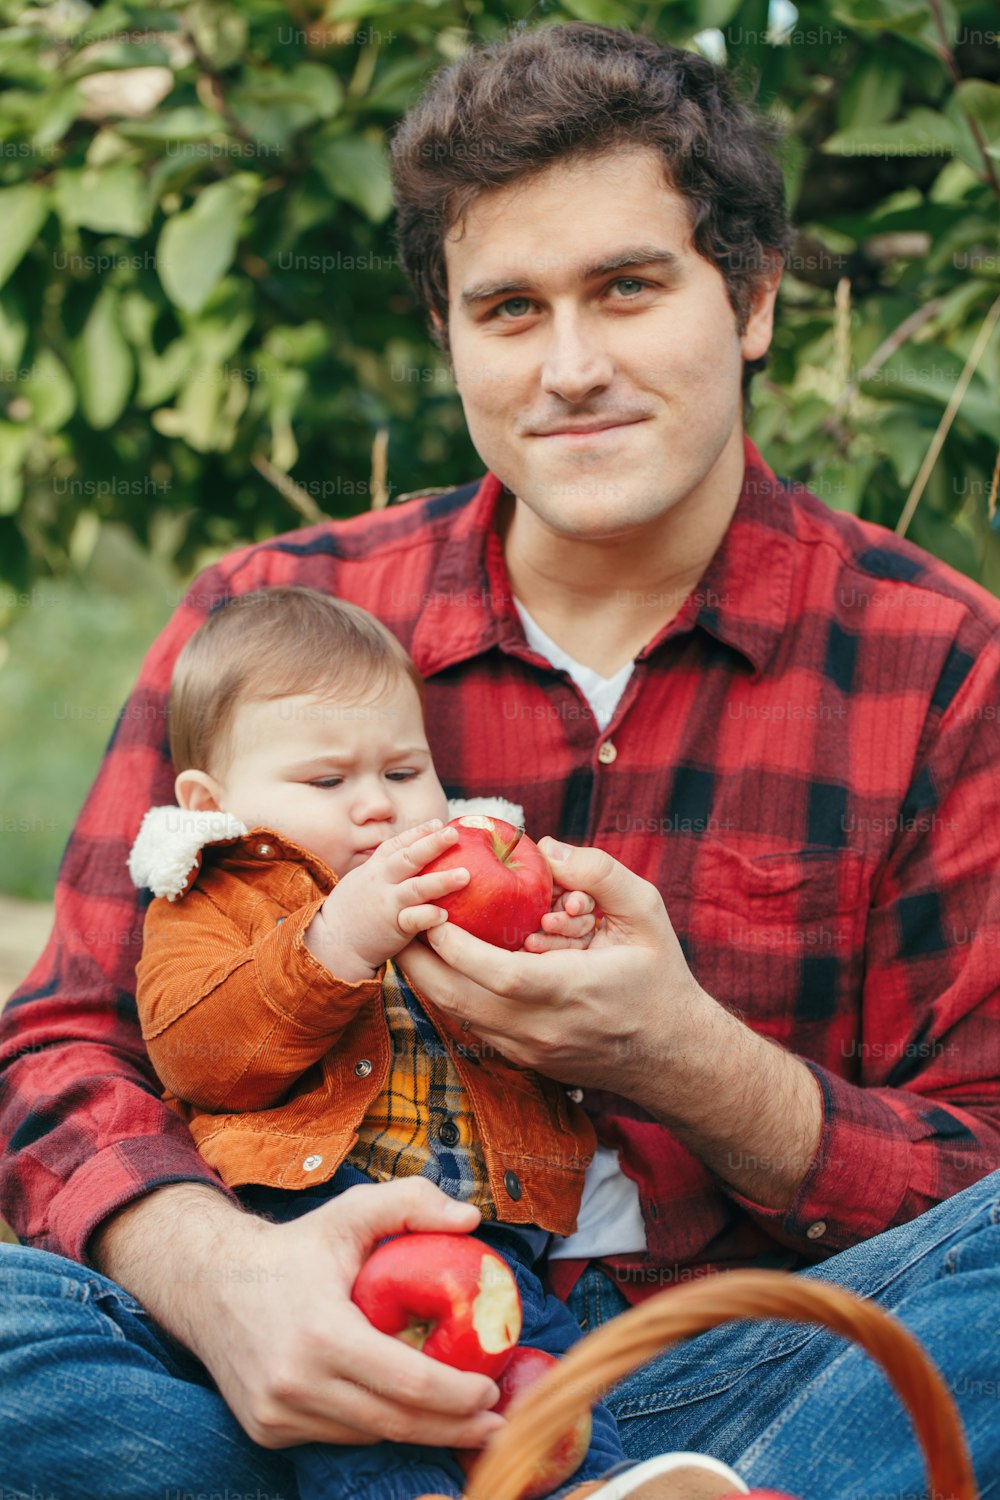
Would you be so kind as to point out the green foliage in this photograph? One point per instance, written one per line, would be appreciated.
(198, 294)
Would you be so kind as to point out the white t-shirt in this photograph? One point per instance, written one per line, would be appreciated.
(610, 1220)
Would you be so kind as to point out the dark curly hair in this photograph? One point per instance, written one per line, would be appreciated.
(557, 92)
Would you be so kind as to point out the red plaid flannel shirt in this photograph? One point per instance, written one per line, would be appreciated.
(807, 768)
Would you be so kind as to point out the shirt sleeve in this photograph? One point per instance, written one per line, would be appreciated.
(230, 1023)
(921, 1118)
(83, 1130)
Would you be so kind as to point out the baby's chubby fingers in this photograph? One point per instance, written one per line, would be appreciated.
(576, 903)
(414, 919)
(416, 847)
(562, 924)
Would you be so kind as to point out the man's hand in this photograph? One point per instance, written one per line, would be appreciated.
(266, 1308)
(607, 1016)
(374, 910)
(625, 1014)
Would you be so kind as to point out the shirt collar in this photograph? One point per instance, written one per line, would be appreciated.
(741, 600)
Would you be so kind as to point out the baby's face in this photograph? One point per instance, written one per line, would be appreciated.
(338, 778)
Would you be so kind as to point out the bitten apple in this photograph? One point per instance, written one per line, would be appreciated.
(447, 1294)
(510, 885)
(524, 1369)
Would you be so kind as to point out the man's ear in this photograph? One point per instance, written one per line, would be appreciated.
(756, 338)
(196, 791)
(441, 337)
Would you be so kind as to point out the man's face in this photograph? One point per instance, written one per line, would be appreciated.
(560, 316)
(337, 777)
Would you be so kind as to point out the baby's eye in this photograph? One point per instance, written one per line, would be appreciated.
(401, 775)
(326, 781)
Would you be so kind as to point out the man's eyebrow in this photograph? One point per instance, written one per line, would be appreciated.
(635, 256)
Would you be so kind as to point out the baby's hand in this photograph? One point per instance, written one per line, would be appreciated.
(373, 911)
(569, 924)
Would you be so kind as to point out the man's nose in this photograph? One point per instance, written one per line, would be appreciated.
(575, 366)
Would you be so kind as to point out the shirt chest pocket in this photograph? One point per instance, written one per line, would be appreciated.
(777, 938)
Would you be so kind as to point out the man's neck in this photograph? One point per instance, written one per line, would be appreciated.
(602, 600)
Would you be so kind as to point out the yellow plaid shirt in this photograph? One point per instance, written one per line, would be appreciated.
(421, 1124)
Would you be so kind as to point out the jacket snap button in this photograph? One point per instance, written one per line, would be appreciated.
(576, 1095)
(266, 851)
(816, 1231)
(311, 1163)
(607, 753)
(512, 1183)
(448, 1134)
(363, 1068)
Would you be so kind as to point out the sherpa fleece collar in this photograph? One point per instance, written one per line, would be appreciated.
(166, 855)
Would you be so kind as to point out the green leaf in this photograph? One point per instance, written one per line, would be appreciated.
(871, 94)
(196, 248)
(114, 56)
(14, 441)
(907, 17)
(357, 170)
(272, 106)
(13, 337)
(981, 100)
(23, 211)
(189, 123)
(599, 12)
(109, 199)
(103, 363)
(161, 375)
(711, 13)
(219, 31)
(50, 391)
(923, 133)
(927, 374)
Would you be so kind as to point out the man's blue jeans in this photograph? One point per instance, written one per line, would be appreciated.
(95, 1401)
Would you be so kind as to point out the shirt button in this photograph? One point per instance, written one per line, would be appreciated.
(363, 1068)
(266, 851)
(448, 1134)
(816, 1231)
(576, 1095)
(311, 1163)
(512, 1183)
(607, 753)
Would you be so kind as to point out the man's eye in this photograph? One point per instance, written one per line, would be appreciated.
(632, 281)
(525, 303)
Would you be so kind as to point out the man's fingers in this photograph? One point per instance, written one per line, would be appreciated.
(410, 1203)
(616, 889)
(545, 942)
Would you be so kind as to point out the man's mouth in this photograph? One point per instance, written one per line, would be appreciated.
(587, 432)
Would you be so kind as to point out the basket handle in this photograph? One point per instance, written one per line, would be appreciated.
(627, 1342)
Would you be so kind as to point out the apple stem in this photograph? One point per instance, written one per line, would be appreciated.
(506, 850)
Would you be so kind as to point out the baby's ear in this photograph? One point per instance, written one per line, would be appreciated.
(196, 791)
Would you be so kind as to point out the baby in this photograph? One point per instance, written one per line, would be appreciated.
(302, 1059)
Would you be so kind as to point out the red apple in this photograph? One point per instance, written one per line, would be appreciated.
(510, 885)
(524, 1369)
(447, 1294)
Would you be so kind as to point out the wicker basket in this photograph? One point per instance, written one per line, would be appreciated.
(611, 1352)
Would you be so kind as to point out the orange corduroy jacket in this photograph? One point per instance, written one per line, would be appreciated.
(273, 1062)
